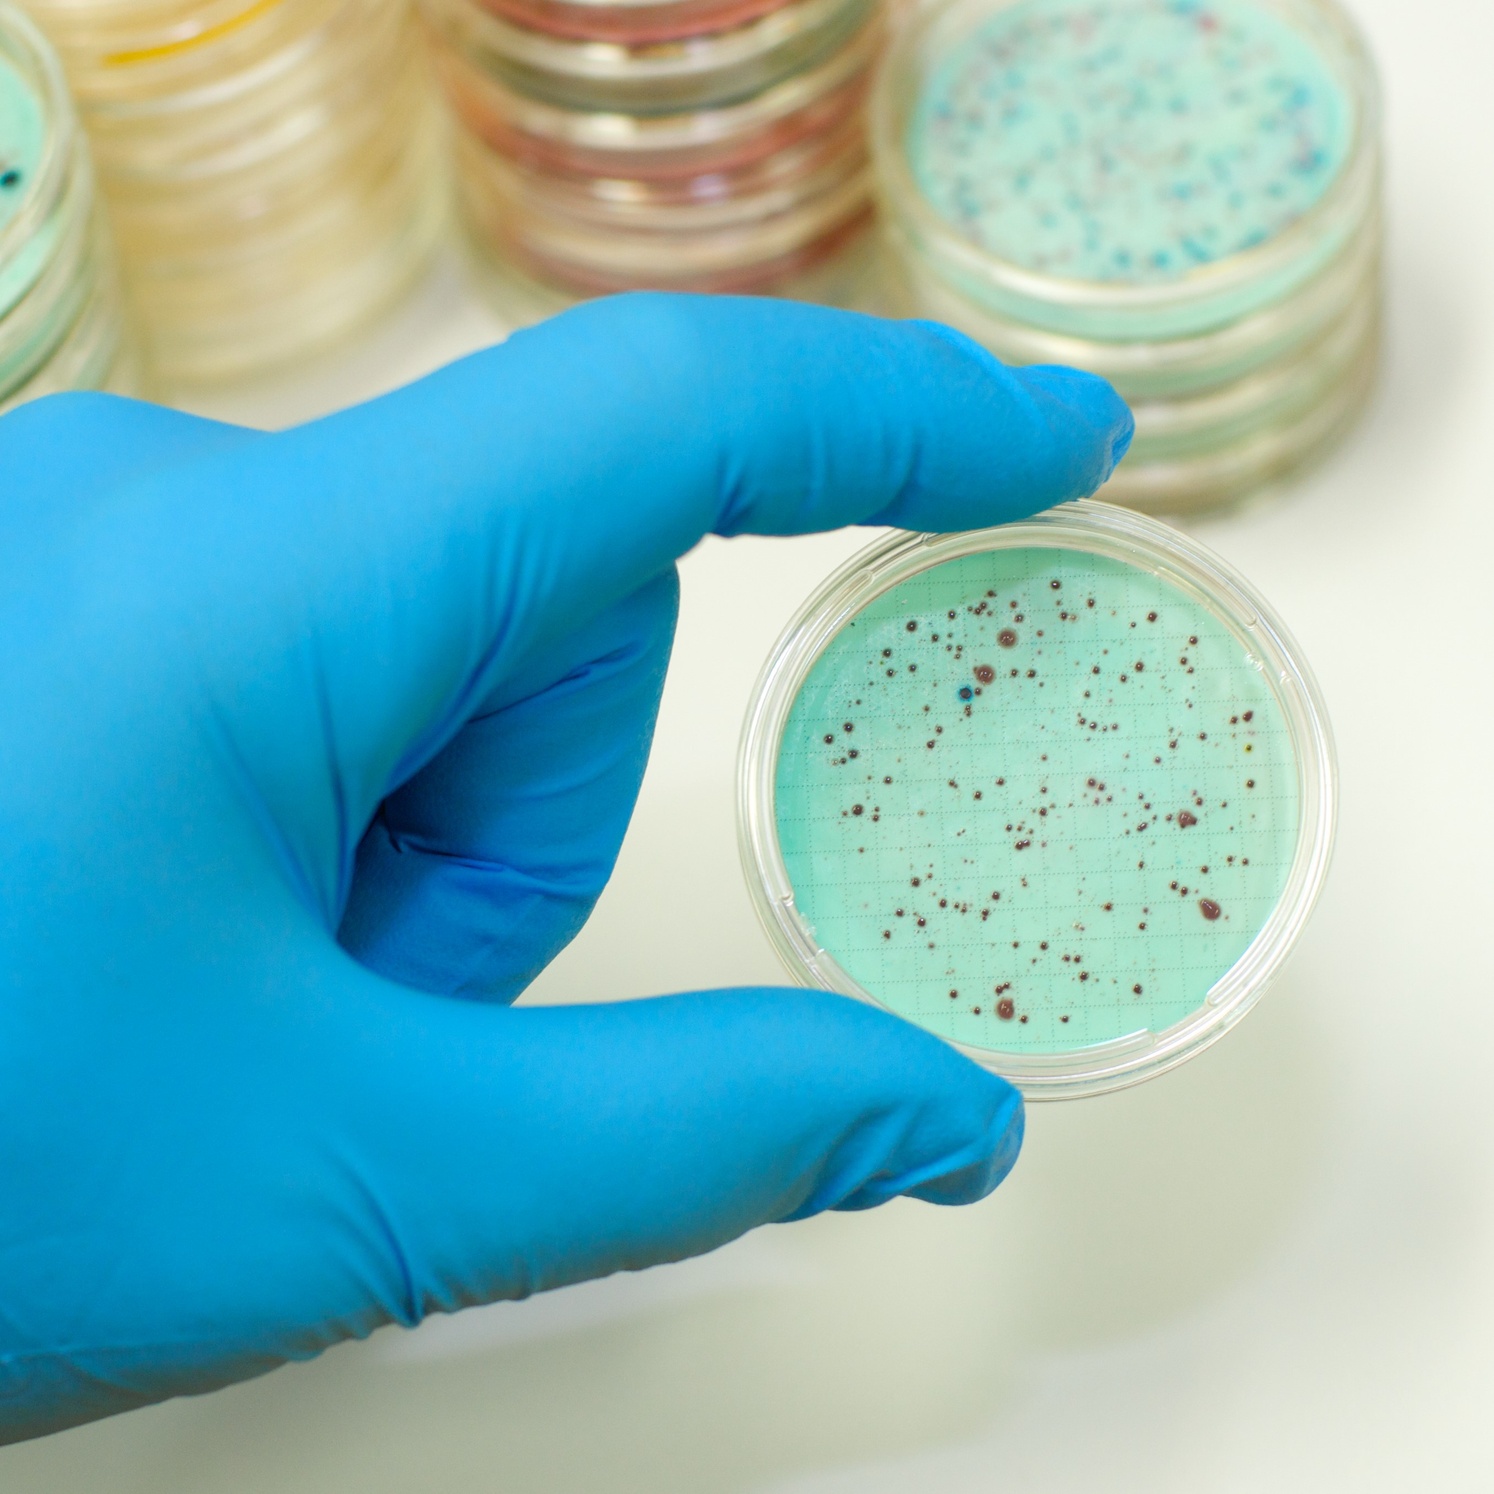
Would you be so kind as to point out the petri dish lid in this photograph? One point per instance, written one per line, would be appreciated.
(127, 55)
(38, 181)
(621, 141)
(659, 77)
(1208, 296)
(629, 22)
(1257, 462)
(756, 191)
(1073, 819)
(737, 243)
(1159, 368)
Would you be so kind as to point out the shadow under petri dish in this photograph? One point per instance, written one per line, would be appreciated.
(1036, 800)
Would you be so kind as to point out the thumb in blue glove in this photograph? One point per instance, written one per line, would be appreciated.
(319, 745)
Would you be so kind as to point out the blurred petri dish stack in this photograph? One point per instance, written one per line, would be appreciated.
(272, 167)
(61, 323)
(1181, 195)
(711, 145)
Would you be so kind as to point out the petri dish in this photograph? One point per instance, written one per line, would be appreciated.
(768, 232)
(1150, 369)
(61, 317)
(1061, 792)
(273, 170)
(1123, 169)
(1183, 196)
(657, 146)
(697, 202)
(631, 22)
(1257, 464)
(40, 198)
(667, 77)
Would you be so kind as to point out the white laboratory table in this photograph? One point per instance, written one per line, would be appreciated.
(1270, 1271)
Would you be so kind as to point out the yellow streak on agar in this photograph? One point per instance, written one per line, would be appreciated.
(196, 39)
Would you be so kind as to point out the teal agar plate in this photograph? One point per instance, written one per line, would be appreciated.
(22, 135)
(1130, 140)
(1060, 792)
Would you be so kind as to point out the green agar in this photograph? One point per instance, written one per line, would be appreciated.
(1036, 800)
(22, 136)
(1129, 141)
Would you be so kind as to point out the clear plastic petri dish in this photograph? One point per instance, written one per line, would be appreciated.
(694, 72)
(631, 22)
(1138, 170)
(293, 282)
(285, 90)
(95, 351)
(552, 137)
(1061, 792)
(1280, 394)
(273, 169)
(1167, 367)
(61, 320)
(749, 241)
(1258, 464)
(693, 201)
(114, 48)
(843, 269)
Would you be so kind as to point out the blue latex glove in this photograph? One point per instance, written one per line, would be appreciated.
(317, 746)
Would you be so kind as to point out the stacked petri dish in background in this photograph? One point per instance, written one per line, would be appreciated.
(1181, 195)
(61, 323)
(272, 167)
(684, 144)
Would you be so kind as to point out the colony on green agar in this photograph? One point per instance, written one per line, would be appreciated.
(1042, 794)
(1129, 141)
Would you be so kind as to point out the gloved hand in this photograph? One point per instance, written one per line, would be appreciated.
(317, 746)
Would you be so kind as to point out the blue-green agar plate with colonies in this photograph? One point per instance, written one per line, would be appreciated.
(1060, 792)
(1130, 140)
(22, 137)
(36, 149)
(1125, 169)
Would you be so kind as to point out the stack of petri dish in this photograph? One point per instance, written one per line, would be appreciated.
(1181, 195)
(272, 167)
(61, 325)
(680, 144)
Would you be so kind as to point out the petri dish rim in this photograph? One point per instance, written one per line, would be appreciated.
(621, 133)
(1176, 559)
(686, 57)
(926, 32)
(1150, 368)
(23, 44)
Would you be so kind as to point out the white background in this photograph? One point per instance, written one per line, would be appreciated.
(1272, 1270)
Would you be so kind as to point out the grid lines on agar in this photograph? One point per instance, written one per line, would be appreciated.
(1052, 919)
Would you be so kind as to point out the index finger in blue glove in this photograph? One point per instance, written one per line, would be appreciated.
(421, 543)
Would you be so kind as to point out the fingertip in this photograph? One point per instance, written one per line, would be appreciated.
(910, 1114)
(983, 1132)
(1000, 442)
(1098, 420)
(991, 1157)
